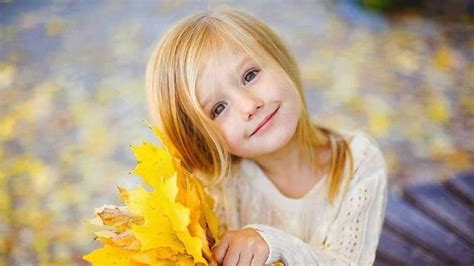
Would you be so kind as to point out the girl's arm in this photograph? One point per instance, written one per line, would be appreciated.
(353, 236)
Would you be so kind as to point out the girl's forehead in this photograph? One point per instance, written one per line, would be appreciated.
(226, 59)
(221, 70)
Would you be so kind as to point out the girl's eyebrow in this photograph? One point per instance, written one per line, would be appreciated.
(244, 62)
(207, 101)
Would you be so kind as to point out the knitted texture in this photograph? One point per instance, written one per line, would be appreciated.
(308, 230)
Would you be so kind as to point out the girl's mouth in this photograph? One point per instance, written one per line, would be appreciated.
(266, 122)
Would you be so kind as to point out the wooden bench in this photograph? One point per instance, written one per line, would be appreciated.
(430, 224)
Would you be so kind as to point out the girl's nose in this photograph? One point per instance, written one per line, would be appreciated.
(248, 104)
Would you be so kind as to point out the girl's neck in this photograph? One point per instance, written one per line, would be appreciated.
(288, 165)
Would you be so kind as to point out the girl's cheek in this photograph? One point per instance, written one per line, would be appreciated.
(234, 140)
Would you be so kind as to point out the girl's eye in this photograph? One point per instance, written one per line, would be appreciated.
(218, 109)
(250, 75)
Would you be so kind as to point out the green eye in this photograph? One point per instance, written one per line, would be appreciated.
(249, 76)
(219, 108)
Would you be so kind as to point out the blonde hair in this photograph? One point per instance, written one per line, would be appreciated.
(172, 75)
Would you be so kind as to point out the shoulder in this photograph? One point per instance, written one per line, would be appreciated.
(364, 148)
(360, 141)
(367, 183)
(368, 159)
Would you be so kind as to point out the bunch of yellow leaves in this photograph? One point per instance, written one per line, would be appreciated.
(173, 224)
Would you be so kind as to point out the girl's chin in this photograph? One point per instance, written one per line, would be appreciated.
(267, 145)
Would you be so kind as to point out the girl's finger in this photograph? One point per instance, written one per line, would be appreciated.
(220, 250)
(245, 258)
(231, 256)
(258, 259)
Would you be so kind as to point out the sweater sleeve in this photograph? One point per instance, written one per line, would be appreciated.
(353, 235)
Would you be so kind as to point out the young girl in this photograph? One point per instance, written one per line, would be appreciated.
(227, 93)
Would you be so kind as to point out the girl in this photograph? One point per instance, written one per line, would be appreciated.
(227, 93)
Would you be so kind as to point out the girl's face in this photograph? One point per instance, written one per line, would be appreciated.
(255, 110)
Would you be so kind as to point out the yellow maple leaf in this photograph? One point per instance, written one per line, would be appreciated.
(189, 197)
(212, 222)
(153, 163)
(125, 240)
(108, 255)
(190, 185)
(117, 217)
(162, 256)
(173, 224)
(211, 217)
(123, 194)
(157, 231)
(164, 140)
(180, 218)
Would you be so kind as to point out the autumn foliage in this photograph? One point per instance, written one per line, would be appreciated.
(170, 223)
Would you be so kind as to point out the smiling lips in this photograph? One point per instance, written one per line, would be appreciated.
(265, 121)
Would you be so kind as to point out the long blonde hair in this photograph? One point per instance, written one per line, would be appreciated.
(172, 75)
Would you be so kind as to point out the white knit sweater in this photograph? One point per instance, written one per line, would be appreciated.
(308, 230)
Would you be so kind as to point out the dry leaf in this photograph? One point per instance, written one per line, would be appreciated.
(171, 224)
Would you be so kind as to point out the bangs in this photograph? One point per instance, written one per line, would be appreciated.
(217, 40)
(179, 66)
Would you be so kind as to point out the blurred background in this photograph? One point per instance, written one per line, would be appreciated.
(72, 98)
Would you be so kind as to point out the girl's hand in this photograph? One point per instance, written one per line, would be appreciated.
(241, 247)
